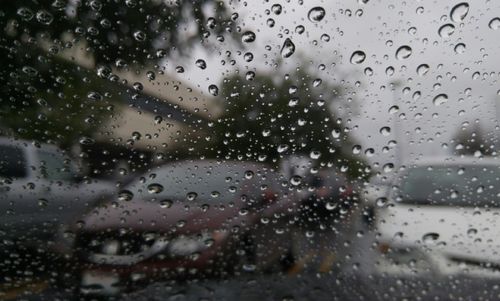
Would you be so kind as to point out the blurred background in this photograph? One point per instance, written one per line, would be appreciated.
(178, 150)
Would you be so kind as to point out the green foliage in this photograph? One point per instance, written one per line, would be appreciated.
(44, 97)
(267, 119)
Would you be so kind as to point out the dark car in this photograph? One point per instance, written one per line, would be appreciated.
(187, 219)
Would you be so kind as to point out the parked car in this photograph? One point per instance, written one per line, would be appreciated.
(330, 197)
(40, 189)
(441, 217)
(187, 219)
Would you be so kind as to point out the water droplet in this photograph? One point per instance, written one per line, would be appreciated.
(356, 149)
(423, 69)
(446, 30)
(191, 196)
(276, 8)
(296, 180)
(140, 36)
(430, 237)
(213, 89)
(440, 99)
(459, 48)
(288, 48)
(25, 13)
(393, 110)
(201, 64)
(125, 195)
(179, 69)
(155, 188)
(248, 57)
(43, 202)
(472, 231)
(459, 12)
(44, 17)
(300, 29)
(358, 57)
(248, 37)
(315, 154)
(316, 14)
(385, 131)
(381, 202)
(494, 23)
(403, 52)
(166, 204)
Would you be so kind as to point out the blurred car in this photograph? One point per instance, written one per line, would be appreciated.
(331, 196)
(186, 219)
(441, 217)
(40, 189)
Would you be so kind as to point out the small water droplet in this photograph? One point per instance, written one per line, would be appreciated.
(440, 99)
(385, 131)
(191, 196)
(288, 48)
(358, 57)
(403, 52)
(423, 69)
(248, 37)
(213, 89)
(125, 195)
(459, 48)
(44, 17)
(201, 64)
(430, 237)
(155, 188)
(446, 30)
(316, 14)
(140, 36)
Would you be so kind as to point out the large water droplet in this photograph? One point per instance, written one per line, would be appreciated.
(125, 195)
(201, 64)
(446, 30)
(459, 48)
(440, 99)
(422, 69)
(140, 36)
(44, 17)
(358, 57)
(459, 12)
(213, 89)
(494, 23)
(155, 188)
(288, 48)
(316, 14)
(403, 52)
(248, 37)
(430, 237)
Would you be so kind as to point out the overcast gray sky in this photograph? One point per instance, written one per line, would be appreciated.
(468, 75)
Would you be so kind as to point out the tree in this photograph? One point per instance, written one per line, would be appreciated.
(268, 119)
(473, 141)
(46, 97)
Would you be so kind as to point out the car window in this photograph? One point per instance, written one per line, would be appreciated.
(249, 150)
(12, 162)
(55, 167)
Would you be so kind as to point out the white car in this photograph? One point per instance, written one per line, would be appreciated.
(441, 217)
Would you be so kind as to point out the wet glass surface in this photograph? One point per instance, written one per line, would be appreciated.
(249, 150)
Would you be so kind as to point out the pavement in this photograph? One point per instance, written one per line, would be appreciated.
(332, 262)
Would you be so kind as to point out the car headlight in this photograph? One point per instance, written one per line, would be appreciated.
(188, 245)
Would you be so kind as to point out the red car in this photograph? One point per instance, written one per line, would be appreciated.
(187, 219)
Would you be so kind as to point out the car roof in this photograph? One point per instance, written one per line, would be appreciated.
(453, 161)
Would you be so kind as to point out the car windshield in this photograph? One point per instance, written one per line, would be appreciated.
(474, 185)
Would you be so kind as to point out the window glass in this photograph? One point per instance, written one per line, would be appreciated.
(12, 162)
